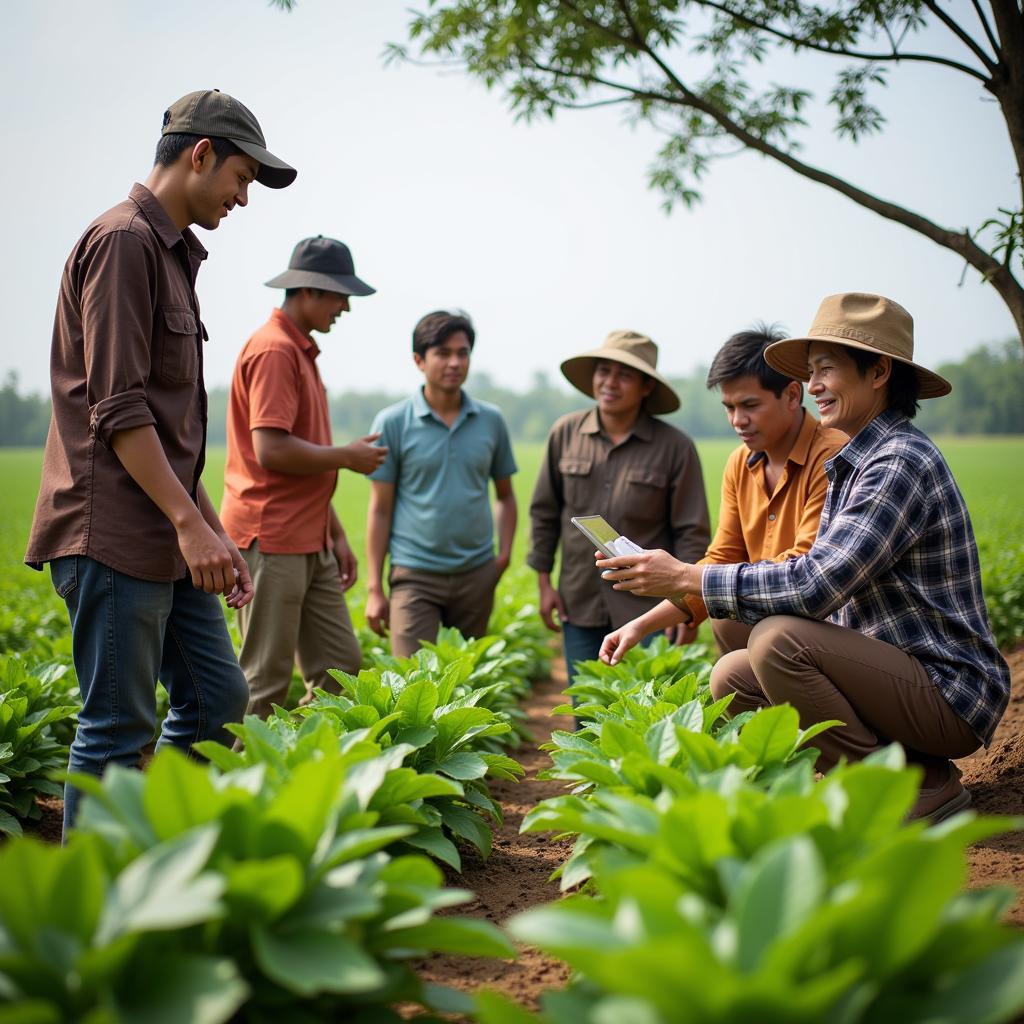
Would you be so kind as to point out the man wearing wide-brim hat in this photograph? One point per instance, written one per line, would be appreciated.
(882, 624)
(282, 469)
(618, 460)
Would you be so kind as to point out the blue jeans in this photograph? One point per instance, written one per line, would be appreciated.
(126, 634)
(583, 643)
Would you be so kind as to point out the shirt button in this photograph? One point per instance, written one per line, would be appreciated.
(771, 517)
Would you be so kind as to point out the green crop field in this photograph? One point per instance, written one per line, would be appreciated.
(987, 470)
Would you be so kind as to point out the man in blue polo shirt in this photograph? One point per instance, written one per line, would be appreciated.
(429, 505)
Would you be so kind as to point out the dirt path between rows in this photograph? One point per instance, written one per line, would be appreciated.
(995, 778)
(516, 875)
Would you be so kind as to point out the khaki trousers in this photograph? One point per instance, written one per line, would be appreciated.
(423, 601)
(827, 671)
(730, 635)
(297, 615)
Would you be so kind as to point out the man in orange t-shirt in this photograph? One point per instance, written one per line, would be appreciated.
(774, 484)
(280, 475)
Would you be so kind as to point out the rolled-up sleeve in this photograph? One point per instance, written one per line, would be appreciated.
(117, 302)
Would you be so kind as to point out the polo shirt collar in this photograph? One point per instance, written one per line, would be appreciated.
(151, 209)
(421, 407)
(801, 446)
(291, 329)
(643, 429)
(868, 438)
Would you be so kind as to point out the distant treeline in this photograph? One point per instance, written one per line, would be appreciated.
(987, 398)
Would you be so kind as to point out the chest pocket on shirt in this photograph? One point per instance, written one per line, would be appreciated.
(179, 355)
(576, 483)
(645, 495)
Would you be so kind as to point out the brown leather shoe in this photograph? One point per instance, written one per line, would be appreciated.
(934, 805)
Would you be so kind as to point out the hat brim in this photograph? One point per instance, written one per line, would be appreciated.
(273, 172)
(343, 284)
(790, 357)
(579, 372)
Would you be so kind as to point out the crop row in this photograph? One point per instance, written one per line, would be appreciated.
(722, 881)
(293, 877)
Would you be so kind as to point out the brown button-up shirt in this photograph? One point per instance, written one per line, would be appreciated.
(755, 526)
(649, 487)
(127, 351)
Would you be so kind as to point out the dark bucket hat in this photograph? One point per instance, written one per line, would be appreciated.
(322, 263)
(212, 112)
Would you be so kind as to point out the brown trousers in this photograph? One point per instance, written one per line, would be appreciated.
(827, 671)
(297, 615)
(423, 601)
(730, 635)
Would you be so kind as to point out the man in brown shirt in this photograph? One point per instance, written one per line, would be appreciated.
(134, 544)
(774, 483)
(618, 461)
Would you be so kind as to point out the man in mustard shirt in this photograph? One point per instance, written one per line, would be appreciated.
(774, 484)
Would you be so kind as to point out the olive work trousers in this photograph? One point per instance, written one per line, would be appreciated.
(825, 671)
(298, 616)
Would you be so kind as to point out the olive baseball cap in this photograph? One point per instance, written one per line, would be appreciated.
(322, 263)
(212, 112)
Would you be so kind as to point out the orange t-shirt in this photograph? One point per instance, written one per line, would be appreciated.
(276, 384)
(756, 527)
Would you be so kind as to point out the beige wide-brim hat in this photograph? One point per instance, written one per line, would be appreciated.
(631, 349)
(858, 320)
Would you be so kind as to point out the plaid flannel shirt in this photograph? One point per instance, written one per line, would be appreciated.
(895, 559)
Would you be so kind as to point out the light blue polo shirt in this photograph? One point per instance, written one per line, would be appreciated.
(442, 519)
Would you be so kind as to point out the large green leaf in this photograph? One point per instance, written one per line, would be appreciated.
(197, 989)
(165, 888)
(416, 704)
(179, 794)
(778, 890)
(771, 734)
(312, 961)
(263, 889)
(453, 935)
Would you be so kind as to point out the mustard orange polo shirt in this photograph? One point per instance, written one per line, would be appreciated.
(276, 383)
(755, 526)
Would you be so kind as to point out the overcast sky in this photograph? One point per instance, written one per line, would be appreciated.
(545, 233)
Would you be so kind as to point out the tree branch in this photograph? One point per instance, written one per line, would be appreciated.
(993, 42)
(922, 58)
(959, 242)
(962, 35)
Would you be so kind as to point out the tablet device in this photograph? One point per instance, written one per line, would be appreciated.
(600, 533)
(611, 543)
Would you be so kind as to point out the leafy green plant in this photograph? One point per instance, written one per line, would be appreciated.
(36, 713)
(622, 778)
(658, 665)
(395, 791)
(800, 902)
(441, 734)
(314, 919)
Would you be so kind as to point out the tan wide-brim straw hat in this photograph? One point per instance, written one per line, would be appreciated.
(858, 320)
(631, 349)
